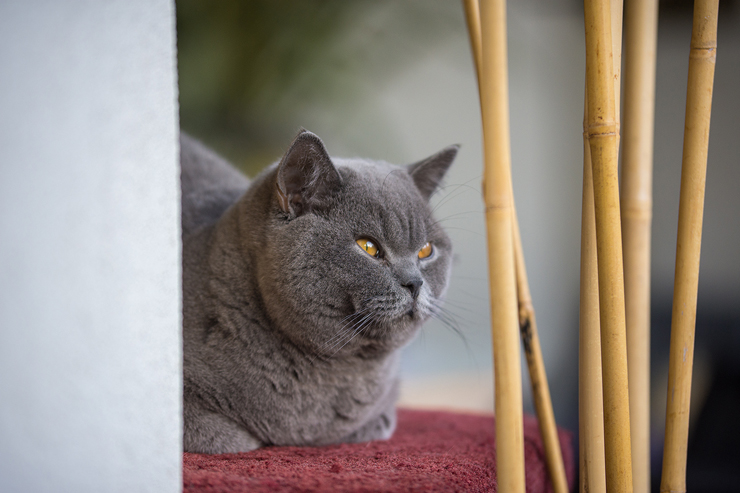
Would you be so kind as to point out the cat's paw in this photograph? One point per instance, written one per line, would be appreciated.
(379, 428)
(212, 433)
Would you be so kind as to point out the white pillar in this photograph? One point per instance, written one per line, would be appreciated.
(90, 351)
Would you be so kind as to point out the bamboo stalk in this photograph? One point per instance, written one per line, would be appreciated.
(527, 320)
(602, 133)
(590, 383)
(641, 26)
(616, 8)
(688, 245)
(498, 201)
(590, 398)
(472, 18)
(537, 374)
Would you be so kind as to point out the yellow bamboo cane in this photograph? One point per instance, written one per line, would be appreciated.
(498, 202)
(688, 246)
(537, 375)
(590, 384)
(590, 398)
(472, 19)
(641, 27)
(616, 7)
(527, 320)
(602, 132)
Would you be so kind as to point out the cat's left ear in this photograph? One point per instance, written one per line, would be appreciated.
(306, 177)
(428, 173)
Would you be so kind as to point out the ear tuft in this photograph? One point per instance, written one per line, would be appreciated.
(428, 173)
(306, 177)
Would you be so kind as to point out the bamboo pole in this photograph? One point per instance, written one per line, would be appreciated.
(590, 397)
(602, 133)
(472, 18)
(590, 390)
(527, 320)
(537, 374)
(641, 27)
(616, 8)
(498, 201)
(688, 246)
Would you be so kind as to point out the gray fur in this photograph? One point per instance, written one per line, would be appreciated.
(291, 331)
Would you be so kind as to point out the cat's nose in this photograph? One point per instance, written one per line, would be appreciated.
(414, 286)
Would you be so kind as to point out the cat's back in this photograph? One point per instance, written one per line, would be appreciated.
(209, 184)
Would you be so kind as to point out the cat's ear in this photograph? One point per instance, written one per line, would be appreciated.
(428, 173)
(306, 177)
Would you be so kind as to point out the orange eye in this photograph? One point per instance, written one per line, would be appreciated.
(425, 251)
(370, 247)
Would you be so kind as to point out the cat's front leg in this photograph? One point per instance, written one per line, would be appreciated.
(208, 432)
(381, 427)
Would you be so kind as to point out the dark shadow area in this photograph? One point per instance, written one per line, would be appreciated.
(713, 463)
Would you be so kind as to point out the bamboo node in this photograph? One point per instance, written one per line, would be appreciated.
(526, 311)
(708, 52)
(637, 212)
(605, 134)
(493, 208)
(604, 129)
(525, 328)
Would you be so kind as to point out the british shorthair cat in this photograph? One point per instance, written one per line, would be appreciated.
(299, 290)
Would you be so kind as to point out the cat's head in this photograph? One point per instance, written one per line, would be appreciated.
(352, 258)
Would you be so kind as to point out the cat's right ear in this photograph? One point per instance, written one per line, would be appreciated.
(306, 177)
(428, 173)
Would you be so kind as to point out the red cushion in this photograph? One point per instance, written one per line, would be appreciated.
(430, 451)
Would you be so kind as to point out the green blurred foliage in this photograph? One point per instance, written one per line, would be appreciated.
(249, 70)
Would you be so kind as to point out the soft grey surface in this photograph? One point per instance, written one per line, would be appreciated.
(292, 332)
(90, 359)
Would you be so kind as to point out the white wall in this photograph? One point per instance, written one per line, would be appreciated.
(90, 358)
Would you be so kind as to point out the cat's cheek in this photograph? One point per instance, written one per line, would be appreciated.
(437, 277)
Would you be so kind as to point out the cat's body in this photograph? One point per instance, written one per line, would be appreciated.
(291, 330)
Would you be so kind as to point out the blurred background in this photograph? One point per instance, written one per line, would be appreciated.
(394, 80)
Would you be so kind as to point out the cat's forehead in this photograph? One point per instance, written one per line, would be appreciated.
(380, 178)
(384, 199)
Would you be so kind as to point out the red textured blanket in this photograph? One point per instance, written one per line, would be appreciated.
(430, 451)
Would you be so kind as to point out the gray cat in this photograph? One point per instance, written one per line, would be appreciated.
(299, 290)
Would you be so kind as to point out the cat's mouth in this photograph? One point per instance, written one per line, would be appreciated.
(380, 317)
(417, 309)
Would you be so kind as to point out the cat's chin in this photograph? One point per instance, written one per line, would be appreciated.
(394, 332)
(398, 330)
